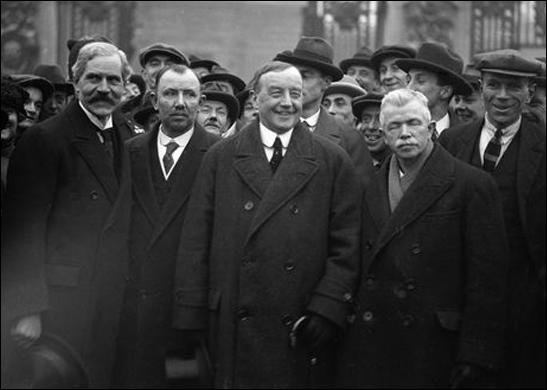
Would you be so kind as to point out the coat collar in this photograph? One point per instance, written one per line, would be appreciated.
(328, 127)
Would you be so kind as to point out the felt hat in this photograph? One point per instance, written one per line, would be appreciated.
(222, 74)
(230, 100)
(359, 103)
(30, 80)
(395, 51)
(361, 58)
(54, 75)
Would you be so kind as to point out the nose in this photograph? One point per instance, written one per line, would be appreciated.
(286, 99)
(103, 85)
(180, 101)
(502, 92)
(405, 131)
(30, 108)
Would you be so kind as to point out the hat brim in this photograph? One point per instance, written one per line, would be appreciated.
(238, 84)
(43, 85)
(458, 82)
(230, 100)
(209, 64)
(147, 55)
(359, 105)
(508, 72)
(324, 67)
(347, 63)
(377, 59)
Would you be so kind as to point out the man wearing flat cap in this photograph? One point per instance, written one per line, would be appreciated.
(361, 69)
(218, 112)
(156, 57)
(512, 148)
(383, 60)
(337, 100)
(39, 90)
(313, 57)
(62, 90)
(202, 67)
(436, 71)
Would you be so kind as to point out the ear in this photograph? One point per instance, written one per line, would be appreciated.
(431, 127)
(531, 91)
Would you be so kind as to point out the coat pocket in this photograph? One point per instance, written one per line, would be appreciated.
(64, 275)
(449, 319)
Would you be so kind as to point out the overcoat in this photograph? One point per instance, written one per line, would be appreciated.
(265, 249)
(433, 280)
(146, 333)
(527, 264)
(66, 250)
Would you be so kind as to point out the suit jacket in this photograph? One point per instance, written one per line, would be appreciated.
(264, 249)
(66, 252)
(433, 283)
(146, 333)
(349, 140)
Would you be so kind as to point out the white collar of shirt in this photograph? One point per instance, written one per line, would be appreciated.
(96, 120)
(268, 138)
(312, 120)
(488, 131)
(182, 140)
(442, 124)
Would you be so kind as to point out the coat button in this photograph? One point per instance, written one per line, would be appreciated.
(294, 209)
(313, 361)
(347, 297)
(249, 205)
(416, 250)
(243, 314)
(94, 195)
(289, 266)
(370, 283)
(286, 320)
(368, 316)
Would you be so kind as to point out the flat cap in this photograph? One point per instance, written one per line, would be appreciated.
(508, 62)
(165, 49)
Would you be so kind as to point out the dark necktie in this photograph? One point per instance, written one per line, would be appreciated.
(168, 156)
(108, 142)
(492, 152)
(277, 154)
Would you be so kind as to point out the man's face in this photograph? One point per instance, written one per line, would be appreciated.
(369, 126)
(391, 76)
(101, 86)
(250, 110)
(504, 97)
(54, 104)
(406, 131)
(366, 77)
(220, 85)
(468, 108)
(155, 63)
(314, 85)
(177, 100)
(33, 106)
(279, 99)
(339, 105)
(213, 117)
(427, 83)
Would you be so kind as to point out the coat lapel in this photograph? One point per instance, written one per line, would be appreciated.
(92, 151)
(467, 140)
(296, 169)
(436, 177)
(376, 198)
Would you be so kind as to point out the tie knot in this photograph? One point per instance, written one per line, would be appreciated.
(277, 143)
(498, 133)
(171, 147)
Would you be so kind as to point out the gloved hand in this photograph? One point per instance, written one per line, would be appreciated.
(467, 376)
(318, 331)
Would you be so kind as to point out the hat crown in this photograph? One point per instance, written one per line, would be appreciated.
(507, 61)
(314, 48)
(363, 53)
(440, 55)
(52, 73)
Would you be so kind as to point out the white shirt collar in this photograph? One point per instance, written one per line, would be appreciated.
(96, 120)
(182, 140)
(507, 132)
(312, 120)
(268, 137)
(442, 124)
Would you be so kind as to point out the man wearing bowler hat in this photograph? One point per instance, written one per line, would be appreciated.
(512, 148)
(361, 69)
(337, 100)
(383, 60)
(218, 112)
(62, 90)
(313, 58)
(436, 71)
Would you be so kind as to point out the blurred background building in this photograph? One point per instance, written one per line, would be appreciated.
(242, 35)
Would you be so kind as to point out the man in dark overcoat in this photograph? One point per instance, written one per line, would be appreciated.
(269, 260)
(430, 310)
(161, 180)
(64, 259)
(512, 148)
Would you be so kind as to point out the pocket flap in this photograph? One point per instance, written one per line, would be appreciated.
(449, 319)
(63, 275)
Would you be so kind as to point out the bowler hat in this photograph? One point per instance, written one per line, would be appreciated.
(394, 51)
(439, 58)
(359, 103)
(49, 363)
(222, 74)
(30, 80)
(230, 100)
(55, 76)
(143, 113)
(347, 86)
(165, 49)
(314, 52)
(508, 62)
(361, 58)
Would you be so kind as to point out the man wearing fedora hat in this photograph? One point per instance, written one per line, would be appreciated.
(337, 100)
(313, 57)
(202, 67)
(361, 69)
(512, 148)
(163, 164)
(383, 60)
(62, 90)
(436, 71)
(39, 90)
(218, 112)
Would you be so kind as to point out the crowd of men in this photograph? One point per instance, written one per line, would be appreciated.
(378, 223)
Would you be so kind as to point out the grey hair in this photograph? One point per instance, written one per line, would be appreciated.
(96, 49)
(273, 66)
(402, 97)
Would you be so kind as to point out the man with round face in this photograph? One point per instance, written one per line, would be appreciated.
(257, 194)
(337, 100)
(511, 147)
(164, 163)
(391, 76)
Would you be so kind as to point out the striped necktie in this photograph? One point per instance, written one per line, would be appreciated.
(492, 152)
(168, 156)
